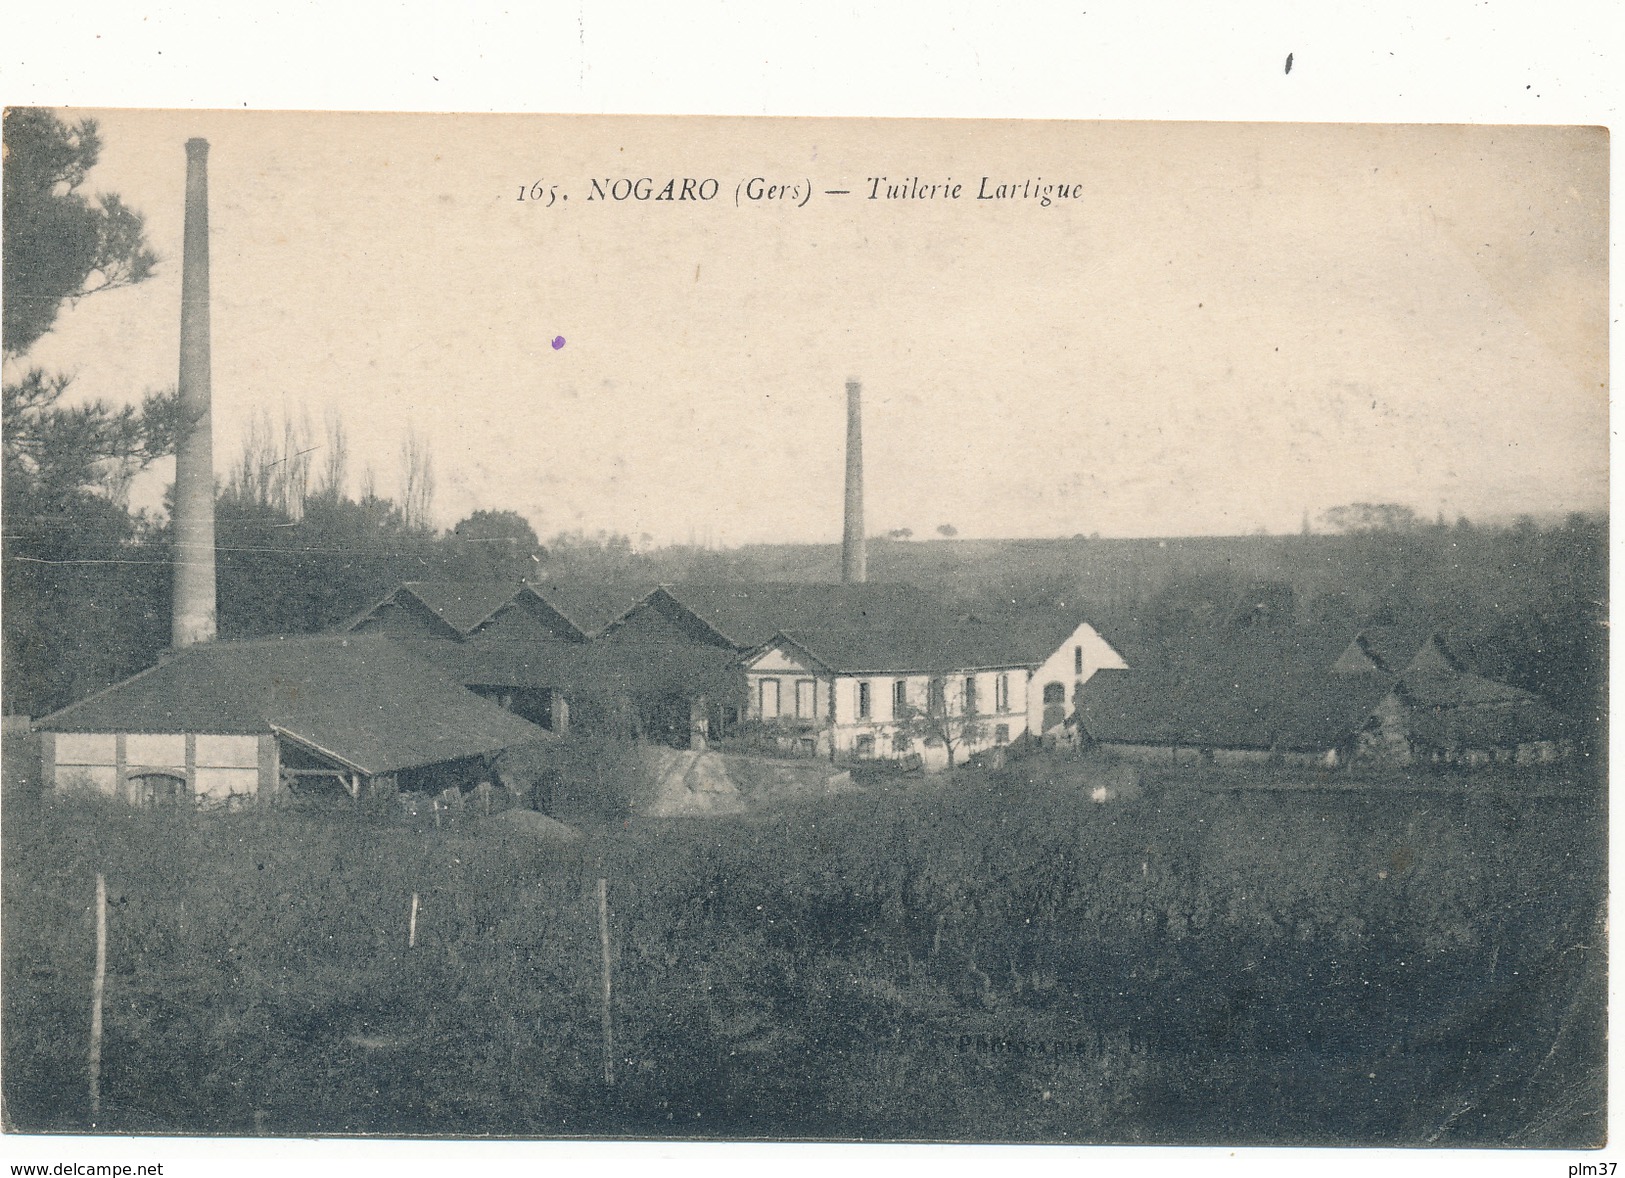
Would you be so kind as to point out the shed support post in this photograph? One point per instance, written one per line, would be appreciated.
(270, 775)
(698, 713)
(47, 761)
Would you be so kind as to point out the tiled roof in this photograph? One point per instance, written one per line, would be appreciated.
(461, 606)
(922, 648)
(369, 700)
(645, 669)
(748, 615)
(591, 606)
(586, 608)
(1036, 634)
(1291, 708)
(1295, 687)
(1447, 689)
(1396, 649)
(1500, 725)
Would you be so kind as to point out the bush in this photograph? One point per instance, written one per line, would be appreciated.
(582, 778)
(948, 960)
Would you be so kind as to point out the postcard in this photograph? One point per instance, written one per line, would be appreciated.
(765, 629)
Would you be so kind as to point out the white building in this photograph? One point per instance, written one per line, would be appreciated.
(1070, 653)
(940, 692)
(866, 694)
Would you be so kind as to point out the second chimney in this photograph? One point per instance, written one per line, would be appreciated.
(193, 609)
(854, 568)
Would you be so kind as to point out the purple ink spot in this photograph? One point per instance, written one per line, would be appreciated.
(558, 342)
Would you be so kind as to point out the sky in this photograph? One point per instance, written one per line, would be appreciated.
(1223, 328)
(1514, 61)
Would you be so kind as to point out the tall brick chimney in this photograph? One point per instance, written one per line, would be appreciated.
(854, 560)
(193, 611)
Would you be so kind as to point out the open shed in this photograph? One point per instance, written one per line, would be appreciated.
(226, 723)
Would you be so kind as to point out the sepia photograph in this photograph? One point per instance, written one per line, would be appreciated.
(805, 629)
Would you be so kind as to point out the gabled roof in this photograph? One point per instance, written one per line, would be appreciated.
(747, 615)
(1299, 708)
(1256, 650)
(920, 649)
(1036, 634)
(461, 607)
(1284, 688)
(1460, 689)
(1396, 650)
(591, 606)
(1490, 715)
(1256, 687)
(367, 700)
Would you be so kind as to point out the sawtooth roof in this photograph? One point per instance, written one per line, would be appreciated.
(370, 701)
(462, 606)
(592, 606)
(1397, 650)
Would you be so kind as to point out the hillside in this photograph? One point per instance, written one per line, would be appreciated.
(1526, 604)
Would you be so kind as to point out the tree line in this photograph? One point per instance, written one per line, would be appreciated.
(304, 541)
(1525, 603)
(87, 579)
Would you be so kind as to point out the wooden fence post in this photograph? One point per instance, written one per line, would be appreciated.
(97, 988)
(412, 924)
(603, 944)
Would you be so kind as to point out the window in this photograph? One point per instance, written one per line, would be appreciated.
(1077, 660)
(899, 697)
(768, 702)
(866, 748)
(804, 700)
(970, 695)
(158, 788)
(863, 700)
(937, 700)
(901, 743)
(1001, 693)
(1001, 734)
(1054, 705)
